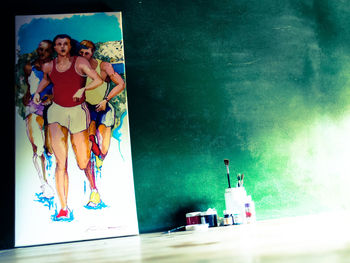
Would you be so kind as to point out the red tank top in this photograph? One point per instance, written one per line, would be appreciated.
(66, 84)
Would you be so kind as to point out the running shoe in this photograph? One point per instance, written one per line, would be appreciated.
(63, 214)
(47, 190)
(94, 199)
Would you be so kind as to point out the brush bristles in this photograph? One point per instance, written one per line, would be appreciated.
(226, 161)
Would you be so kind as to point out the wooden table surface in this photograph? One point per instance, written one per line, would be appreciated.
(320, 239)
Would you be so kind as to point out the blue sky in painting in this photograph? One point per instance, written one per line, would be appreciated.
(99, 27)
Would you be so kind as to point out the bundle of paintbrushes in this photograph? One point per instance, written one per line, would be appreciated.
(240, 178)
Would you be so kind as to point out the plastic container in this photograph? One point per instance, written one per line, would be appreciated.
(235, 199)
(228, 218)
(238, 219)
(250, 210)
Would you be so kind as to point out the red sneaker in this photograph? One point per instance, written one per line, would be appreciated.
(63, 214)
(94, 148)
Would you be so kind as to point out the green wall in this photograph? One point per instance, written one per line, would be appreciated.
(262, 83)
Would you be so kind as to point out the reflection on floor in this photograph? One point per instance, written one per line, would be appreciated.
(312, 239)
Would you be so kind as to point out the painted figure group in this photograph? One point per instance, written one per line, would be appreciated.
(68, 96)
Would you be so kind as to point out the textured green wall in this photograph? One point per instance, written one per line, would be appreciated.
(262, 83)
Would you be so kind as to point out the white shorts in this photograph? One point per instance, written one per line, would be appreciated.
(75, 119)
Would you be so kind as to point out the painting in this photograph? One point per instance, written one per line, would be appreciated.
(74, 177)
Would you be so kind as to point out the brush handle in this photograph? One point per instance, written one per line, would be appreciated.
(228, 179)
(228, 176)
(226, 161)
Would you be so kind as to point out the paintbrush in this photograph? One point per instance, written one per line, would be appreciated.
(174, 230)
(226, 161)
(239, 180)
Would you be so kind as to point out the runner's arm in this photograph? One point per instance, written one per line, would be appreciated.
(43, 83)
(115, 77)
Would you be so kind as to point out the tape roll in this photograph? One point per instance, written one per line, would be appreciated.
(193, 218)
(197, 227)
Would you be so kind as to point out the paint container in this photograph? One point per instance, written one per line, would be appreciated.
(235, 199)
(210, 217)
(238, 219)
(250, 210)
(193, 218)
(197, 227)
(228, 218)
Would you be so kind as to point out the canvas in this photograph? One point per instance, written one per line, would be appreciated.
(74, 176)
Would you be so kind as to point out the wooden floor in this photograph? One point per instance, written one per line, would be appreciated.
(310, 239)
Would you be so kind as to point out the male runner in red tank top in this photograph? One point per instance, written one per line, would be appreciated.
(68, 113)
